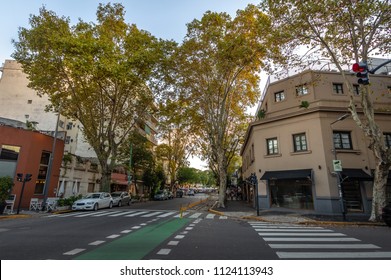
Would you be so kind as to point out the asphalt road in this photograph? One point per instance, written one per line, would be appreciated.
(157, 230)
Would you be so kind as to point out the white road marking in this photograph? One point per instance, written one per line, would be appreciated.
(96, 243)
(151, 214)
(333, 255)
(210, 216)
(126, 231)
(173, 243)
(106, 214)
(89, 214)
(223, 217)
(164, 252)
(166, 214)
(323, 246)
(323, 239)
(113, 236)
(74, 252)
(300, 234)
(179, 237)
(189, 228)
(136, 214)
(292, 230)
(195, 215)
(136, 227)
(121, 213)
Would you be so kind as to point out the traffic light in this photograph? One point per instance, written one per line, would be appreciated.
(28, 177)
(19, 177)
(361, 69)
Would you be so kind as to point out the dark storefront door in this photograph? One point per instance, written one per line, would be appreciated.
(352, 196)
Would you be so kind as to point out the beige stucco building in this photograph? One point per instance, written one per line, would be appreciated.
(289, 147)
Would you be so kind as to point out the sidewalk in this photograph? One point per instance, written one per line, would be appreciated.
(243, 210)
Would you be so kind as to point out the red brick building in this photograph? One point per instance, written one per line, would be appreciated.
(25, 151)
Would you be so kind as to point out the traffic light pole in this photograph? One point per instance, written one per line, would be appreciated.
(24, 180)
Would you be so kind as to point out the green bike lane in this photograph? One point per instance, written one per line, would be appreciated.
(136, 245)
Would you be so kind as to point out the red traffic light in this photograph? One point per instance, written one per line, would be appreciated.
(359, 67)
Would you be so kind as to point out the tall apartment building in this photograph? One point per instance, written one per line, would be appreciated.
(290, 147)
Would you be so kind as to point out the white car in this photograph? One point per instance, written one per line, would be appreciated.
(94, 201)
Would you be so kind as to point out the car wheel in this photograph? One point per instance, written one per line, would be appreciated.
(119, 203)
(96, 207)
(111, 205)
(130, 202)
(388, 222)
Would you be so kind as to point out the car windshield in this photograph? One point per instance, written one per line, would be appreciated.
(92, 195)
(115, 194)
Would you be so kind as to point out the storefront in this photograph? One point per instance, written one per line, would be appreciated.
(290, 188)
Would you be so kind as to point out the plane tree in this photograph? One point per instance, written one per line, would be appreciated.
(216, 78)
(98, 73)
(343, 32)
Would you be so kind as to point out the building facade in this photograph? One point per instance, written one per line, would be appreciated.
(301, 129)
(28, 152)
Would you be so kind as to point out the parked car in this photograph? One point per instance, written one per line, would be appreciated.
(160, 195)
(386, 214)
(179, 193)
(121, 198)
(94, 201)
(190, 192)
(170, 195)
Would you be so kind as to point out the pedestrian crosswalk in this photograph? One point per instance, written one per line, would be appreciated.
(141, 213)
(304, 242)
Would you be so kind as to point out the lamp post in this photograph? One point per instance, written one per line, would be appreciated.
(254, 181)
(337, 170)
(50, 165)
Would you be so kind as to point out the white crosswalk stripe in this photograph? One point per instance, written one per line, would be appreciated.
(314, 243)
(143, 213)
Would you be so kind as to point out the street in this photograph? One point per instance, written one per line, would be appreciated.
(157, 230)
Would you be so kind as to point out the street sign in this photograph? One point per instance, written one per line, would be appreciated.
(337, 164)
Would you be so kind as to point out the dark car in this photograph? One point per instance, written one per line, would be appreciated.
(179, 193)
(386, 215)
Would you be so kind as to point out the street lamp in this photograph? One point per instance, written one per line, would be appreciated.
(339, 168)
(254, 181)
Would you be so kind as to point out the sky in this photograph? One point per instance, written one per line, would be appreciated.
(164, 19)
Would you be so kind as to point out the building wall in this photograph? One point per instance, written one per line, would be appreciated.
(285, 118)
(31, 144)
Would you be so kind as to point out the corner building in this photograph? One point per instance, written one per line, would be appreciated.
(290, 145)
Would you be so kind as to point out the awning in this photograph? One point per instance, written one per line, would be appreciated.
(287, 174)
(356, 173)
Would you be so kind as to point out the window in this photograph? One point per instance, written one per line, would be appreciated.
(279, 96)
(300, 142)
(338, 88)
(27, 116)
(61, 124)
(8, 160)
(69, 126)
(42, 173)
(342, 140)
(387, 139)
(29, 101)
(356, 90)
(301, 90)
(272, 146)
(68, 140)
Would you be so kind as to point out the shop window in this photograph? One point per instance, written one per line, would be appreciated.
(8, 160)
(42, 173)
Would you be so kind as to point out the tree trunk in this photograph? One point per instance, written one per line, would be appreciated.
(222, 177)
(379, 190)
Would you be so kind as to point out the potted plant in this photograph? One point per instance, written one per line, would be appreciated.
(6, 184)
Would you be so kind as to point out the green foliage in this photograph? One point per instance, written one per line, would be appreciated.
(96, 72)
(68, 201)
(6, 184)
(304, 104)
(261, 114)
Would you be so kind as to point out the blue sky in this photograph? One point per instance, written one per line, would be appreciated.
(165, 19)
